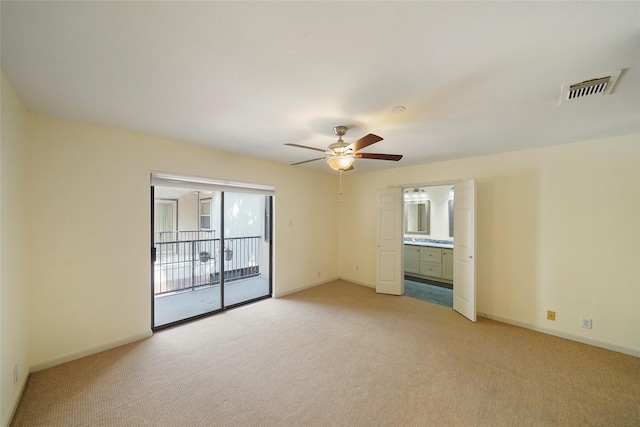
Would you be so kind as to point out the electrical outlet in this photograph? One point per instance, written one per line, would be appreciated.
(551, 315)
(15, 374)
(585, 322)
(357, 267)
(319, 273)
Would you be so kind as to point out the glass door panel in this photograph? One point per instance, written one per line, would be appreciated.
(188, 263)
(247, 247)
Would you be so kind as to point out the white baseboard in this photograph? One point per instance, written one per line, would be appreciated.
(302, 288)
(8, 417)
(89, 351)
(565, 335)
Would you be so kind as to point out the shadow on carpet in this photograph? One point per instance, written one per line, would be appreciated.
(430, 293)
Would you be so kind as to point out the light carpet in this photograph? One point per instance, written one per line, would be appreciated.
(340, 355)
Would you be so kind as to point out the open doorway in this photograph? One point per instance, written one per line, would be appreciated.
(428, 243)
(392, 262)
(211, 249)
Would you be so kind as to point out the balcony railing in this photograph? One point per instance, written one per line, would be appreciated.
(191, 262)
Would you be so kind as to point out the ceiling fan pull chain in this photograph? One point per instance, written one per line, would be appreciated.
(340, 185)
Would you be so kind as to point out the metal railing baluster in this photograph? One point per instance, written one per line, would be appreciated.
(178, 266)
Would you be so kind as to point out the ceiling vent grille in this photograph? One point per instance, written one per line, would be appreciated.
(590, 87)
(596, 86)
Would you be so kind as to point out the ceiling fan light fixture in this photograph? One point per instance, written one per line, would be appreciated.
(340, 155)
(340, 162)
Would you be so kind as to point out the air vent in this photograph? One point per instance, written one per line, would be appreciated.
(590, 87)
(595, 86)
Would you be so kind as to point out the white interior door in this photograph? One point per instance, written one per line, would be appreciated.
(389, 243)
(464, 271)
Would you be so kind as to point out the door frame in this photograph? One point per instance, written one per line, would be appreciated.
(221, 186)
(430, 184)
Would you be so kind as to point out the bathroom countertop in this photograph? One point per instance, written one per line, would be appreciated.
(430, 242)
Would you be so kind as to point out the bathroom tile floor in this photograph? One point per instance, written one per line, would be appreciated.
(428, 292)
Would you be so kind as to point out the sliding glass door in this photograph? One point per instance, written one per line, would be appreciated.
(247, 246)
(211, 250)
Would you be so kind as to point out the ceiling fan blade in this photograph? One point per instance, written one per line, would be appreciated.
(305, 146)
(307, 161)
(365, 141)
(378, 156)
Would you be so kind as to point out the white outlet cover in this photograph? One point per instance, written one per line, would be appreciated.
(586, 323)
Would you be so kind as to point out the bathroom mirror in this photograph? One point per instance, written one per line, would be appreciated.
(418, 217)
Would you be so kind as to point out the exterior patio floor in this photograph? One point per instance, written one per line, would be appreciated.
(174, 307)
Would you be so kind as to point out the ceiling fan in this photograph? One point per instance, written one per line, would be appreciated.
(340, 155)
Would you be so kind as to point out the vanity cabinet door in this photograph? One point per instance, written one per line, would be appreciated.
(411, 259)
(447, 264)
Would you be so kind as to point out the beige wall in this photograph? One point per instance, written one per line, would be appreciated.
(14, 259)
(557, 229)
(90, 229)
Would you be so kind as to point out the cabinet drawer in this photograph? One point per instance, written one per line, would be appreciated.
(430, 269)
(431, 255)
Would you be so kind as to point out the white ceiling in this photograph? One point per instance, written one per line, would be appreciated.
(245, 77)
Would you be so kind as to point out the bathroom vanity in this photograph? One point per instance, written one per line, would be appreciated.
(429, 259)
(428, 217)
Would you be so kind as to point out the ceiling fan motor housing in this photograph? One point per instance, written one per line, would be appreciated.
(340, 148)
